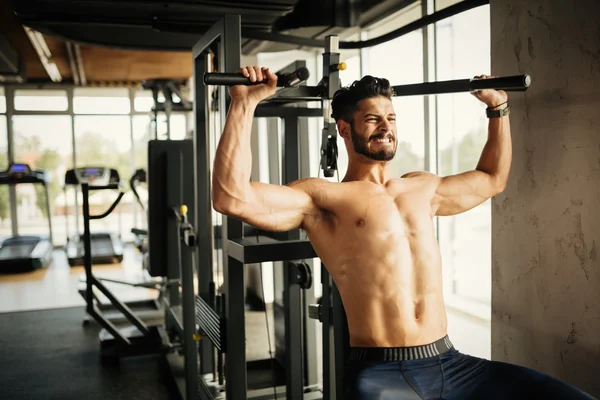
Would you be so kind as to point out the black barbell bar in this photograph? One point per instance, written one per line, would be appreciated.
(516, 83)
(236, 78)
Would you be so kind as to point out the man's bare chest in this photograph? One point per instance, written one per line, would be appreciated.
(378, 213)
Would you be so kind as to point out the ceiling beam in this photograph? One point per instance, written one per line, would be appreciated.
(43, 52)
(72, 64)
(79, 65)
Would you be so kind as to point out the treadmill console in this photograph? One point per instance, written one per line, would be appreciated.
(19, 170)
(22, 173)
(93, 176)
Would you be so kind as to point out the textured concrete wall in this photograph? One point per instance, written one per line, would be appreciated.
(546, 225)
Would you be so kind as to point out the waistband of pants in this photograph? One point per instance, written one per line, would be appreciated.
(401, 353)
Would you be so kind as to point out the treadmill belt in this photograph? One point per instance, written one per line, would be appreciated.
(102, 247)
(15, 251)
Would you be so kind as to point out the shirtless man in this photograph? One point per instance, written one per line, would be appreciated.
(375, 234)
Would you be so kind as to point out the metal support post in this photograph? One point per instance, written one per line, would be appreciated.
(235, 369)
(335, 329)
(292, 299)
(203, 215)
(328, 370)
(228, 32)
(331, 77)
(234, 282)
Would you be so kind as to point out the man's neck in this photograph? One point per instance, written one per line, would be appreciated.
(377, 172)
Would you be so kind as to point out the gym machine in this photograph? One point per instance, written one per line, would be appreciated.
(167, 88)
(172, 254)
(106, 247)
(26, 253)
(102, 250)
(115, 342)
(242, 250)
(173, 251)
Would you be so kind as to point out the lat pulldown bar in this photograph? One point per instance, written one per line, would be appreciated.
(232, 79)
(516, 83)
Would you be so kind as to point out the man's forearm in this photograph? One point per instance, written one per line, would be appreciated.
(497, 153)
(233, 159)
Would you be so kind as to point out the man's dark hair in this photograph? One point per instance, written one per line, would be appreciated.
(346, 99)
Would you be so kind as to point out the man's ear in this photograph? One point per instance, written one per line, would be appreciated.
(343, 129)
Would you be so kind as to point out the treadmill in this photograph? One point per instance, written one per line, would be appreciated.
(26, 253)
(107, 248)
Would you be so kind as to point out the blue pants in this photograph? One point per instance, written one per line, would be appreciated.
(450, 376)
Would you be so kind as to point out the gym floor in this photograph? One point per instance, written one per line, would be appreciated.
(56, 286)
(48, 353)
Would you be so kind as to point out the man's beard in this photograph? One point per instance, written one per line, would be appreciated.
(361, 146)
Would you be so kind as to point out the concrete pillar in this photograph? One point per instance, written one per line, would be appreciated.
(546, 224)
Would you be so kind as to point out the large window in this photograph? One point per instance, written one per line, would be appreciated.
(401, 62)
(463, 51)
(105, 141)
(41, 100)
(43, 142)
(143, 102)
(178, 127)
(101, 101)
(106, 128)
(142, 132)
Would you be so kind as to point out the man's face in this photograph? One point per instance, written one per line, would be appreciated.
(373, 131)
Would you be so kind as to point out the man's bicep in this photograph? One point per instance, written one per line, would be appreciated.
(458, 193)
(292, 196)
(275, 207)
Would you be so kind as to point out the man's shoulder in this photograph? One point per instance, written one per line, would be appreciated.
(420, 174)
(324, 193)
(311, 183)
(422, 179)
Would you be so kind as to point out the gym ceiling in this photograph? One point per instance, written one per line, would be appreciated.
(122, 42)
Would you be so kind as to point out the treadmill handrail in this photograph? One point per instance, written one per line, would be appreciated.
(139, 176)
(111, 208)
(113, 186)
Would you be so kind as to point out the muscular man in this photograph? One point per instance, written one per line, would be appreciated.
(375, 234)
